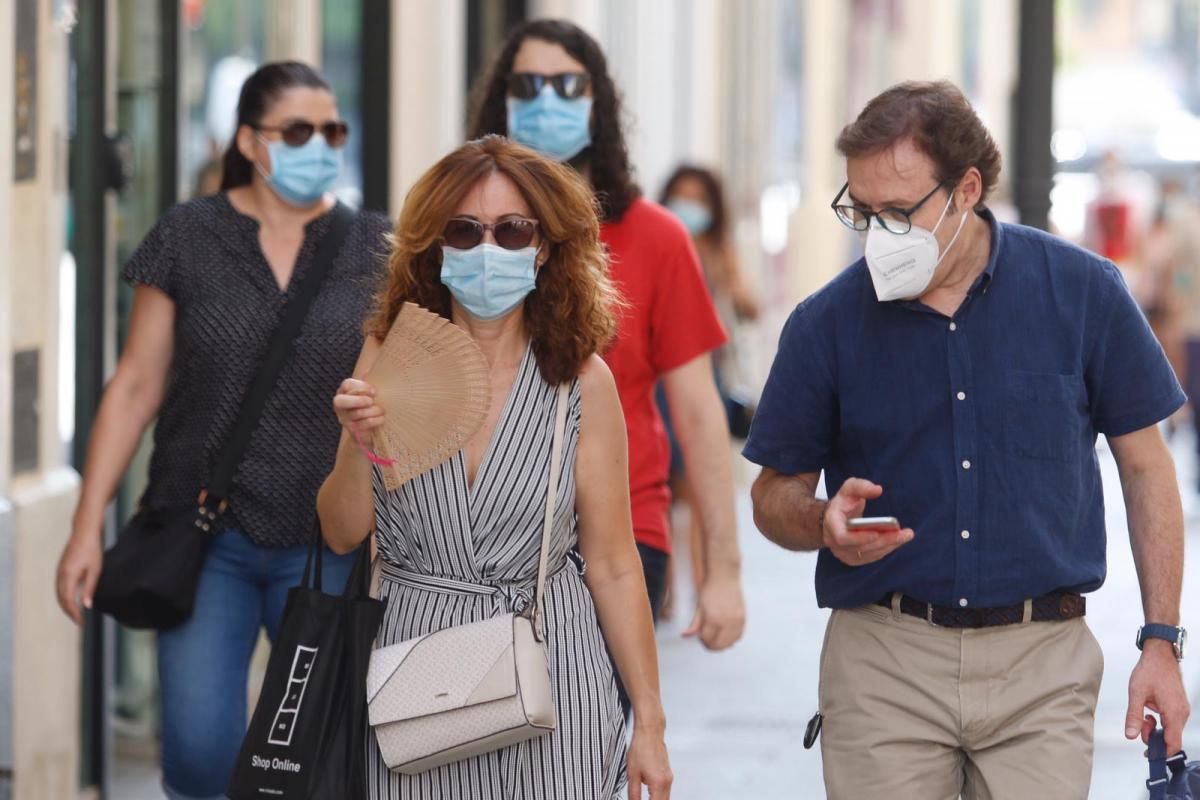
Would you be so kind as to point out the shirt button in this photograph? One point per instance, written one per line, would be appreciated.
(953, 326)
(963, 602)
(966, 464)
(966, 534)
(962, 395)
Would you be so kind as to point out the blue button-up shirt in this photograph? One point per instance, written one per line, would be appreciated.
(981, 428)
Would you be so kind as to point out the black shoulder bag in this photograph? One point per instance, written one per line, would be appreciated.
(149, 577)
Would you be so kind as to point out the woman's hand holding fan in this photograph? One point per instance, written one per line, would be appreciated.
(357, 410)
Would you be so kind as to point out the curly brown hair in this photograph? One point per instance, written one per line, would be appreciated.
(570, 315)
(607, 157)
(940, 121)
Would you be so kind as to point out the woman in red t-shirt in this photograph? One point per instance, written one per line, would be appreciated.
(549, 88)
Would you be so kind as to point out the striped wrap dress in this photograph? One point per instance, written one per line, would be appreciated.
(454, 553)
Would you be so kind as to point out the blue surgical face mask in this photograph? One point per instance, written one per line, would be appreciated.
(487, 280)
(551, 125)
(301, 175)
(695, 216)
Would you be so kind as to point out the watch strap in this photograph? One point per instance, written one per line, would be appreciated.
(1169, 633)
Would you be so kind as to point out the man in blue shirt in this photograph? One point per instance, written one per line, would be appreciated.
(956, 379)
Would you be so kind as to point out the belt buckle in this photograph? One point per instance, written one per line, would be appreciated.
(929, 615)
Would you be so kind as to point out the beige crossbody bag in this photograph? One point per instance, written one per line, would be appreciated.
(470, 689)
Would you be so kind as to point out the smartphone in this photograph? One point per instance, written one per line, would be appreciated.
(873, 524)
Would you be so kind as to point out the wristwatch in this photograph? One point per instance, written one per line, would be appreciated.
(1176, 636)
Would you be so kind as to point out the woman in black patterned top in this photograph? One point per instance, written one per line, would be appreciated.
(211, 280)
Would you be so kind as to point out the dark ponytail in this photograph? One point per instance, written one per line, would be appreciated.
(258, 92)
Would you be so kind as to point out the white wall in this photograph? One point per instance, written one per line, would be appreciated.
(641, 40)
(428, 88)
(44, 657)
(817, 241)
(7, 262)
(587, 14)
(7, 531)
(703, 64)
(293, 30)
(998, 76)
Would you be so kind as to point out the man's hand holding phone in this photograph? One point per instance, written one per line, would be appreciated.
(871, 539)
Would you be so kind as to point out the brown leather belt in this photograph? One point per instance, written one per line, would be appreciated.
(1057, 605)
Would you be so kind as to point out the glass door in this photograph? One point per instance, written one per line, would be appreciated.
(123, 122)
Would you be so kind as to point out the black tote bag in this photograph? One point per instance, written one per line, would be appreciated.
(149, 577)
(307, 738)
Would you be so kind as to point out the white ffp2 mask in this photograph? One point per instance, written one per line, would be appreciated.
(902, 264)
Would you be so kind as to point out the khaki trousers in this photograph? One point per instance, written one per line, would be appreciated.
(917, 711)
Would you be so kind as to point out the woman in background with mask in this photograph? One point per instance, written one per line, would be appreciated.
(211, 280)
(695, 195)
(549, 88)
(506, 245)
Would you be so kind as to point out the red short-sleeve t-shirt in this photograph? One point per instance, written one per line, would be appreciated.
(670, 320)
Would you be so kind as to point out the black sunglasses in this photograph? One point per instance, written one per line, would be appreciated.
(514, 233)
(297, 132)
(893, 220)
(528, 85)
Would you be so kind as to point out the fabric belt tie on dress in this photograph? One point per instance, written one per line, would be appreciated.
(1058, 605)
(507, 596)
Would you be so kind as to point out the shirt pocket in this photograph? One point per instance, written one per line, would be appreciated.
(1042, 414)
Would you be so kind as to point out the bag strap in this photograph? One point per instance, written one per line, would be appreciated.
(358, 584)
(560, 427)
(277, 353)
(376, 568)
(1156, 754)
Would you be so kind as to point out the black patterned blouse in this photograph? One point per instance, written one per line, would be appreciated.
(206, 256)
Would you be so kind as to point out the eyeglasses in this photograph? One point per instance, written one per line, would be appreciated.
(297, 132)
(528, 85)
(514, 233)
(893, 220)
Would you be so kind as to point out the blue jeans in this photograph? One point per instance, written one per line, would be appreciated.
(203, 665)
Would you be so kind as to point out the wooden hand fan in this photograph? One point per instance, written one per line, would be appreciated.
(433, 382)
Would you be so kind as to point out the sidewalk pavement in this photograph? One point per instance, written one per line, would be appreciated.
(735, 720)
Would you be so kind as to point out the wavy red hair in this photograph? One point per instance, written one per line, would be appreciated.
(570, 315)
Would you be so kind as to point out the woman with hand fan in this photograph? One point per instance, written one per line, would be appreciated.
(447, 455)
